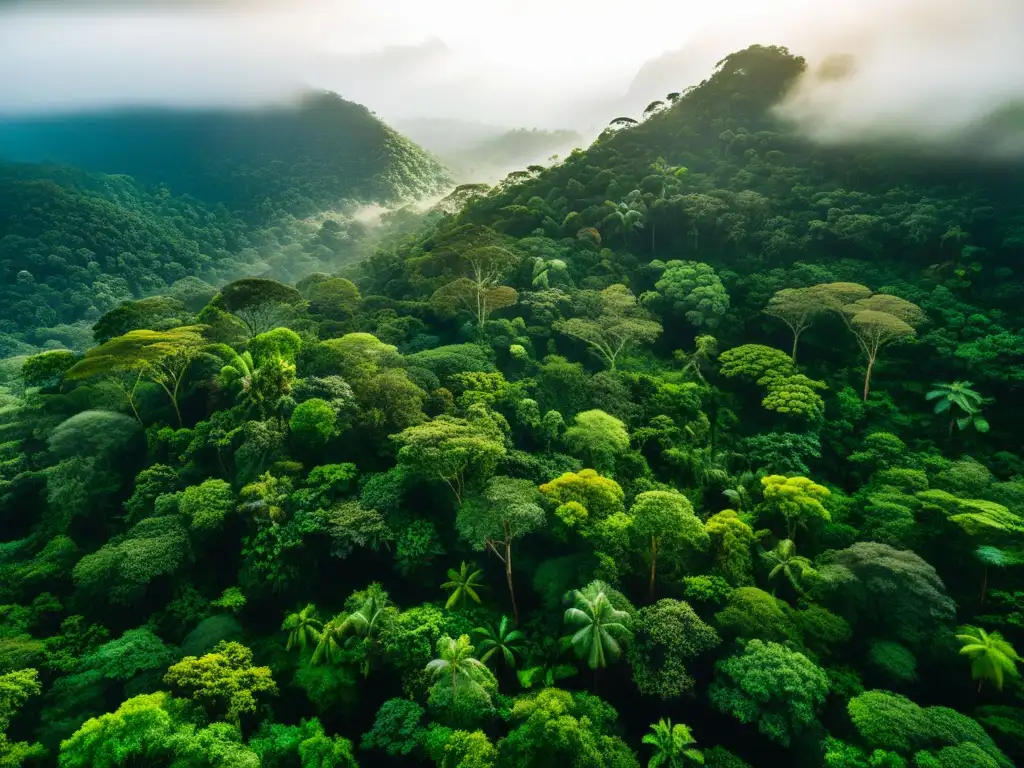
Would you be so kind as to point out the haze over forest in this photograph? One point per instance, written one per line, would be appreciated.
(920, 69)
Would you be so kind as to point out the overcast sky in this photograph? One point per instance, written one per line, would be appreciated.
(922, 66)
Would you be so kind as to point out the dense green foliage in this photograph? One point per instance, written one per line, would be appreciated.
(204, 196)
(564, 477)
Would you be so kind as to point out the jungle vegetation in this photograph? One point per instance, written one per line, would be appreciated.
(699, 446)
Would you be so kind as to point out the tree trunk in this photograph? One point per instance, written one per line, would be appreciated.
(508, 577)
(796, 340)
(982, 680)
(177, 411)
(867, 377)
(654, 565)
(984, 584)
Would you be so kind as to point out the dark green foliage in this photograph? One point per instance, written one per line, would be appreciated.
(667, 636)
(887, 721)
(398, 729)
(893, 590)
(768, 684)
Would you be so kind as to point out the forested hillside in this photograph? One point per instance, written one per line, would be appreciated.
(302, 158)
(207, 196)
(698, 447)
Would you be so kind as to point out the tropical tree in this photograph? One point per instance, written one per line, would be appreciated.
(626, 216)
(618, 325)
(359, 626)
(783, 560)
(705, 349)
(456, 659)
(501, 637)
(601, 630)
(506, 511)
(598, 438)
(543, 269)
(463, 583)
(666, 524)
(798, 308)
(992, 557)
(161, 357)
(958, 396)
(547, 675)
(224, 680)
(259, 303)
(799, 499)
(740, 491)
(330, 642)
(673, 745)
(666, 195)
(878, 321)
(303, 628)
(692, 289)
(479, 291)
(992, 657)
(364, 624)
(449, 448)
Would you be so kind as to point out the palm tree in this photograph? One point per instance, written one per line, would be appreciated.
(959, 396)
(672, 745)
(626, 216)
(303, 628)
(501, 638)
(364, 624)
(330, 642)
(741, 491)
(600, 629)
(547, 675)
(544, 269)
(456, 659)
(992, 657)
(707, 465)
(463, 583)
(348, 630)
(784, 560)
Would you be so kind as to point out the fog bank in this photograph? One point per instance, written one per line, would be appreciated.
(937, 72)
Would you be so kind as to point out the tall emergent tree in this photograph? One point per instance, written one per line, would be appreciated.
(259, 304)
(479, 291)
(798, 308)
(616, 325)
(507, 510)
(876, 321)
(162, 357)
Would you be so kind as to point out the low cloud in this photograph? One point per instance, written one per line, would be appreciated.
(932, 73)
(942, 73)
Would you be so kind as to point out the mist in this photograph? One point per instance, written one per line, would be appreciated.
(939, 74)
(945, 73)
